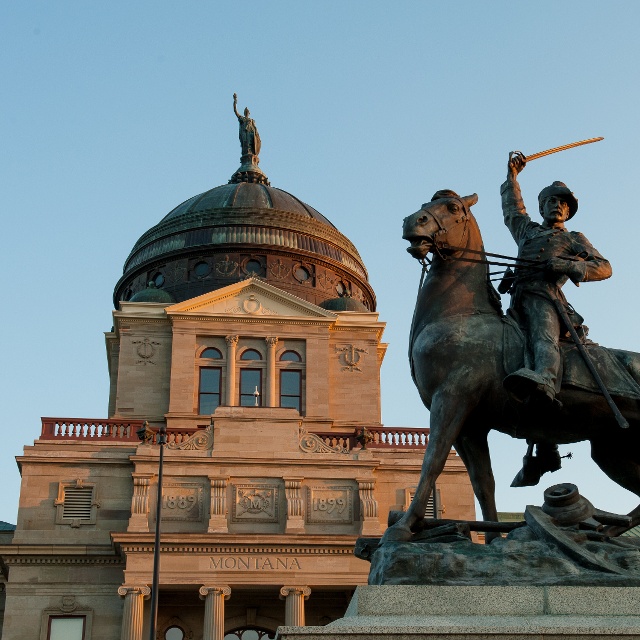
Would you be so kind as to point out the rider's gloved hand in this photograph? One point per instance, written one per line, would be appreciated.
(571, 268)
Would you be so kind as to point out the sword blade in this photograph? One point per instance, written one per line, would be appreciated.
(548, 152)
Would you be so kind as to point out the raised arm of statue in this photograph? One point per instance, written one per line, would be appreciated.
(235, 106)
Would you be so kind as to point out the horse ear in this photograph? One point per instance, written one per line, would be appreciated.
(469, 201)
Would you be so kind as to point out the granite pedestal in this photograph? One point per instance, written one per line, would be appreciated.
(479, 612)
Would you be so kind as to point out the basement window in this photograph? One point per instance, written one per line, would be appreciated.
(76, 503)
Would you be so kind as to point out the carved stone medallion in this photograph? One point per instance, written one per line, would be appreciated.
(255, 503)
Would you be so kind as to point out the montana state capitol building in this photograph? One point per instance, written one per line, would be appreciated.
(245, 323)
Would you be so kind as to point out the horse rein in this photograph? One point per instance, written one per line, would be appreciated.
(439, 246)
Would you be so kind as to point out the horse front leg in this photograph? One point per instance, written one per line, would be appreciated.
(472, 446)
(448, 415)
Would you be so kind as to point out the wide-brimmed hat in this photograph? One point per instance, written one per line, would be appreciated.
(560, 190)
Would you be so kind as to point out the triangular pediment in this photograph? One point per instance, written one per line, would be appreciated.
(250, 298)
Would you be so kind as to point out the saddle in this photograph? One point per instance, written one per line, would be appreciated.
(574, 372)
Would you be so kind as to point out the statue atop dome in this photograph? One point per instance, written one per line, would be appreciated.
(249, 170)
(249, 136)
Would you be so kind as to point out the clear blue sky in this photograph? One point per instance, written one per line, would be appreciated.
(114, 113)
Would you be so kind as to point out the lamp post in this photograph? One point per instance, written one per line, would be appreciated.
(146, 435)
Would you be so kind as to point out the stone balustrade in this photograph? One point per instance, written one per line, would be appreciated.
(125, 431)
(90, 429)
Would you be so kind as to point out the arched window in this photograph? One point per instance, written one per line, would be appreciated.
(290, 356)
(250, 354)
(212, 353)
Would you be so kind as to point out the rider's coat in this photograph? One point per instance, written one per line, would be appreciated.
(534, 288)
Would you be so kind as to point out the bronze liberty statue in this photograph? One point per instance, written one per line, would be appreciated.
(249, 136)
(250, 143)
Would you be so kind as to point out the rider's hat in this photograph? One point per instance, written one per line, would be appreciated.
(560, 190)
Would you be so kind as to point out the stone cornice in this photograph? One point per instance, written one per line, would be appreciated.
(60, 560)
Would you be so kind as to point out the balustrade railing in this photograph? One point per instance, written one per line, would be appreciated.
(125, 431)
(398, 437)
(90, 429)
(383, 438)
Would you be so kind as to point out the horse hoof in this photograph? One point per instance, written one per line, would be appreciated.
(396, 533)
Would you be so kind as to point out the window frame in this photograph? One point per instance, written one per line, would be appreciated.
(250, 350)
(241, 371)
(204, 357)
(209, 393)
(283, 395)
(63, 612)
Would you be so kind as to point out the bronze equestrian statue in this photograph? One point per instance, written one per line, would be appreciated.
(462, 348)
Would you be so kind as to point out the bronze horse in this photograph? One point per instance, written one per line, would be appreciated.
(457, 362)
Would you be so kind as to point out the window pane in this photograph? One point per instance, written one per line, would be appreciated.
(208, 403)
(209, 396)
(250, 354)
(290, 402)
(211, 353)
(249, 380)
(290, 356)
(209, 380)
(66, 628)
(290, 383)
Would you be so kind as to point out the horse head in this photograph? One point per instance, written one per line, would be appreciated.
(440, 223)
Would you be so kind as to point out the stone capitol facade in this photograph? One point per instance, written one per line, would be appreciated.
(244, 322)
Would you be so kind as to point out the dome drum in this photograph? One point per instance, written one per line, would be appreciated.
(185, 277)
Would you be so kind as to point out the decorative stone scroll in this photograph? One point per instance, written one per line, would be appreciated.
(200, 441)
(182, 501)
(251, 305)
(255, 503)
(311, 443)
(331, 504)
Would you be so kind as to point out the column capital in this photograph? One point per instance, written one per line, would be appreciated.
(232, 341)
(271, 342)
(301, 591)
(206, 590)
(138, 590)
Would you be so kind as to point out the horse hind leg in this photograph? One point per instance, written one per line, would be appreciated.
(625, 471)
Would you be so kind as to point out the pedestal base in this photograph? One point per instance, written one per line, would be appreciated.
(482, 613)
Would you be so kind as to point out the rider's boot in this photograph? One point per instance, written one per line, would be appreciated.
(547, 458)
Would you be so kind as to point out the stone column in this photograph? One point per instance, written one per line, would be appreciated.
(294, 604)
(295, 521)
(214, 598)
(271, 371)
(218, 508)
(132, 616)
(232, 395)
(139, 520)
(368, 507)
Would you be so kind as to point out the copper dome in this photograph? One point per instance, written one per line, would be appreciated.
(241, 229)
